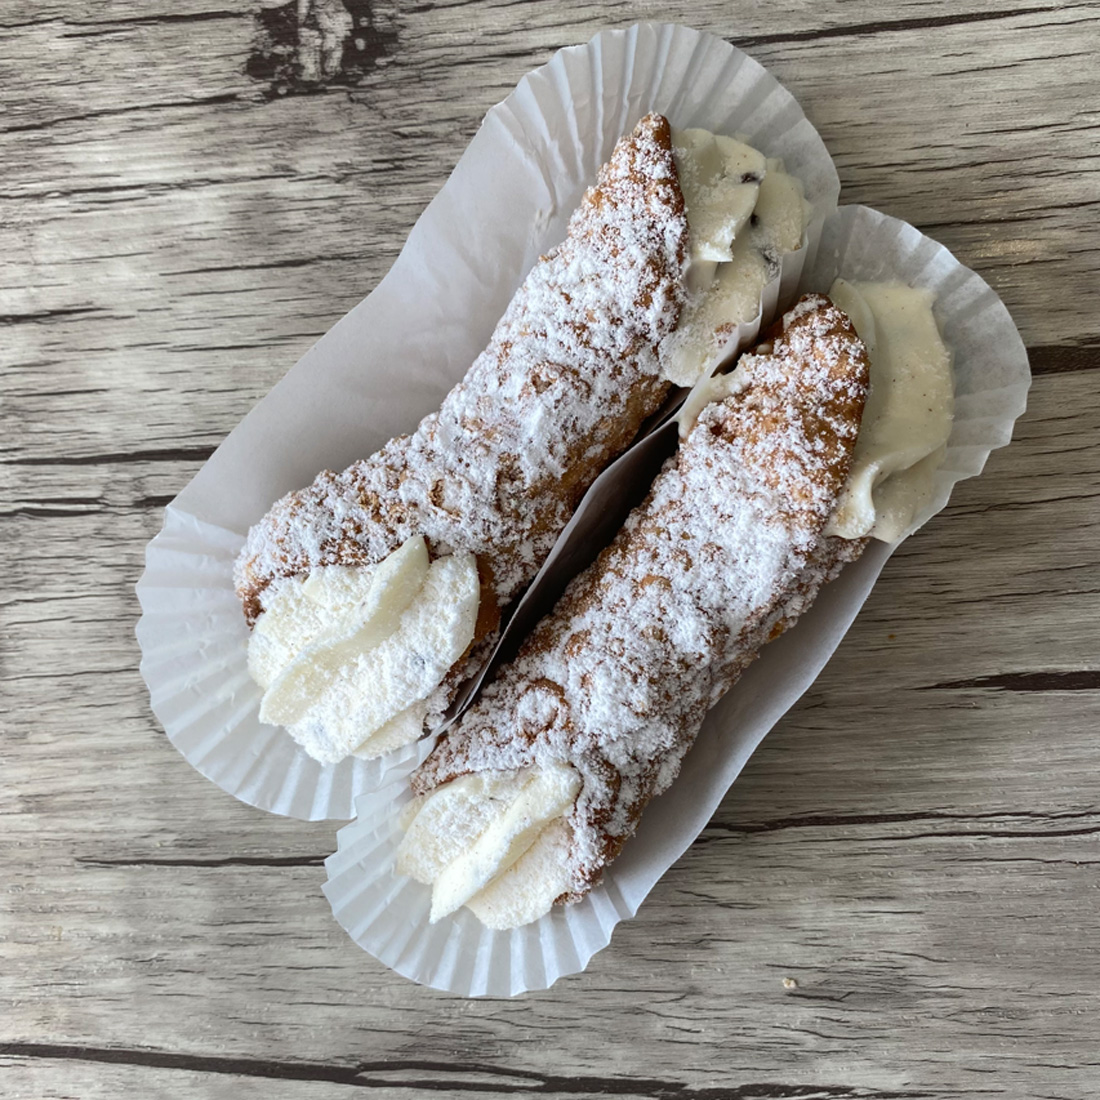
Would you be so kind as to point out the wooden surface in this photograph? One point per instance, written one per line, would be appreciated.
(899, 897)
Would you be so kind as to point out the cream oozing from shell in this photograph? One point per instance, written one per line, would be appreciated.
(744, 213)
(908, 416)
(909, 411)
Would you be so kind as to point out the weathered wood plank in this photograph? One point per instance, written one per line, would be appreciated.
(912, 979)
(79, 1078)
(915, 845)
(36, 1080)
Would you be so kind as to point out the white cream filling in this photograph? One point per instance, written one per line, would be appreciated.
(910, 405)
(402, 729)
(297, 611)
(744, 212)
(720, 181)
(348, 656)
(529, 888)
(309, 676)
(494, 841)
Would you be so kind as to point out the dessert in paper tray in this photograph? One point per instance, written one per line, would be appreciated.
(351, 612)
(371, 595)
(781, 475)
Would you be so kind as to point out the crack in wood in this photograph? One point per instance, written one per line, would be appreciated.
(1065, 861)
(147, 190)
(65, 393)
(53, 509)
(166, 454)
(833, 821)
(474, 1077)
(1079, 680)
(267, 265)
(822, 822)
(487, 58)
(1015, 506)
(47, 315)
(206, 101)
(227, 861)
(1007, 834)
(158, 20)
(251, 345)
(893, 26)
(1063, 360)
(161, 500)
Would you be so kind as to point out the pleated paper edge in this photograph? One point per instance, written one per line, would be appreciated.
(974, 437)
(255, 763)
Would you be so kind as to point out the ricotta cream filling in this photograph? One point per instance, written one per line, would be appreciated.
(314, 669)
(910, 406)
(493, 841)
(349, 656)
(298, 610)
(744, 212)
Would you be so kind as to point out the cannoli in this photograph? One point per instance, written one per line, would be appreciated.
(368, 590)
(541, 782)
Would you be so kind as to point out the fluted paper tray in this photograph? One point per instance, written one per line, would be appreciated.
(393, 358)
(387, 914)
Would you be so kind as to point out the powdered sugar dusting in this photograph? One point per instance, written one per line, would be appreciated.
(726, 551)
(568, 377)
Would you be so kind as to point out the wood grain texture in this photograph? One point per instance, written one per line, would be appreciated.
(916, 846)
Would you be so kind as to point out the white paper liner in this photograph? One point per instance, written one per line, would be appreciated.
(387, 914)
(391, 360)
(210, 707)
